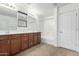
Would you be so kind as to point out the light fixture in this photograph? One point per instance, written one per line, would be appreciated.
(9, 6)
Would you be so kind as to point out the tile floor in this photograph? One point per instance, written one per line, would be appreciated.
(47, 50)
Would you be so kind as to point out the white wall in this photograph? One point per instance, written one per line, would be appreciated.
(32, 23)
(49, 34)
(40, 23)
(32, 26)
(8, 19)
(32, 20)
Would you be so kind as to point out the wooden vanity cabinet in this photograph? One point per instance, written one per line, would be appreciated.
(24, 41)
(4, 46)
(15, 44)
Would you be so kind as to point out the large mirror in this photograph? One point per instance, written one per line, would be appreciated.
(22, 19)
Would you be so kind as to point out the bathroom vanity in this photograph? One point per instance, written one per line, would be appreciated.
(12, 44)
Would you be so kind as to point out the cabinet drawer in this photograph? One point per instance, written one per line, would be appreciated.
(39, 34)
(4, 37)
(14, 36)
(24, 38)
(26, 35)
(30, 34)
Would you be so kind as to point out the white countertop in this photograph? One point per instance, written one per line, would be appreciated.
(9, 33)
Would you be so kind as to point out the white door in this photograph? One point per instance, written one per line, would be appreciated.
(67, 35)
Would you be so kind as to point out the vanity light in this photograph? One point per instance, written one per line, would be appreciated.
(9, 6)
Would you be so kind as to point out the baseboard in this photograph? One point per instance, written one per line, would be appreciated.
(49, 42)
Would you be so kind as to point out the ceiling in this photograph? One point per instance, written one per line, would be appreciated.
(43, 9)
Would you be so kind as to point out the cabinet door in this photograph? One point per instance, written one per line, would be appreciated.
(4, 47)
(39, 37)
(35, 38)
(24, 41)
(15, 45)
(31, 42)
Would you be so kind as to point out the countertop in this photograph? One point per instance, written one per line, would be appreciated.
(9, 33)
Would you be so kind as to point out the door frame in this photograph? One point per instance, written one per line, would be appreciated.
(77, 29)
